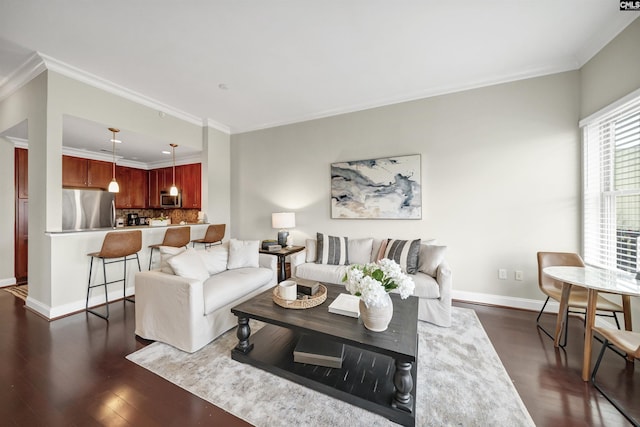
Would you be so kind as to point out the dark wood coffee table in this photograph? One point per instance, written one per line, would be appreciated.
(379, 369)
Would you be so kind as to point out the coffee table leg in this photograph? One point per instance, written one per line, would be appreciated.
(404, 384)
(243, 333)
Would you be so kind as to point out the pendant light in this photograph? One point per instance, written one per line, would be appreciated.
(113, 185)
(173, 191)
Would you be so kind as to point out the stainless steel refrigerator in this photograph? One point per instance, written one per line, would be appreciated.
(88, 209)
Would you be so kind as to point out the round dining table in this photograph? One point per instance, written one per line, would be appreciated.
(594, 280)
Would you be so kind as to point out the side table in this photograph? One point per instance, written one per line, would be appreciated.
(282, 255)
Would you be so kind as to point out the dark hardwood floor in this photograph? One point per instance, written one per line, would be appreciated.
(72, 372)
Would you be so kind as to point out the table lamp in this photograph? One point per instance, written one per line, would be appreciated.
(283, 220)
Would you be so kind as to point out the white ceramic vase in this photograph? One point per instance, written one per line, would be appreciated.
(376, 319)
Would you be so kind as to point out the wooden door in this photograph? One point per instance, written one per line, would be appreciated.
(99, 174)
(21, 249)
(154, 189)
(74, 171)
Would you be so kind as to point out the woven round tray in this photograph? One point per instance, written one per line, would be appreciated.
(300, 304)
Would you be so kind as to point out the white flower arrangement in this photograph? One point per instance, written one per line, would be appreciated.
(372, 281)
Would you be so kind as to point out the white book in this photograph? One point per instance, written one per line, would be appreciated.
(346, 304)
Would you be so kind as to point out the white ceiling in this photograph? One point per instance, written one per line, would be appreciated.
(293, 60)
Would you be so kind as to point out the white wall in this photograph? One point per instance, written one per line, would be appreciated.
(7, 200)
(501, 170)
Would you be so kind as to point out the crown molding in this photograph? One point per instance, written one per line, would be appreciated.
(568, 64)
(108, 86)
(22, 75)
(216, 125)
(18, 142)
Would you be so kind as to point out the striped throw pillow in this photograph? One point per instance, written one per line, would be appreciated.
(405, 253)
(332, 250)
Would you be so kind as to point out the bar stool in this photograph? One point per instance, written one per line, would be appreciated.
(214, 235)
(174, 236)
(117, 246)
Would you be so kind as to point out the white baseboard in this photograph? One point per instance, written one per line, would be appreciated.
(10, 281)
(76, 306)
(521, 303)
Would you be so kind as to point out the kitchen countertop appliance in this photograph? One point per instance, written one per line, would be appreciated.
(133, 219)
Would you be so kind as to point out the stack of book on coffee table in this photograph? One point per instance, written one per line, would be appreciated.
(317, 351)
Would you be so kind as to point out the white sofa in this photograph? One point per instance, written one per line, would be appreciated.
(188, 307)
(433, 289)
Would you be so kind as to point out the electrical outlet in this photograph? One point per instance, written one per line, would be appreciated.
(518, 275)
(502, 274)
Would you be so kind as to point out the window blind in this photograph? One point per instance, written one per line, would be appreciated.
(611, 188)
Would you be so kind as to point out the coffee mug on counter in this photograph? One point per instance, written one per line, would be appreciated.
(288, 290)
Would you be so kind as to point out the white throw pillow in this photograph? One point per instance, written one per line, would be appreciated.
(360, 250)
(243, 253)
(430, 258)
(310, 246)
(189, 264)
(216, 258)
(166, 253)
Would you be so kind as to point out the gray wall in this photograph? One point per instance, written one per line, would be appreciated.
(613, 73)
(500, 175)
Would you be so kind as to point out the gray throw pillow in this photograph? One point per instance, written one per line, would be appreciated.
(405, 253)
(332, 250)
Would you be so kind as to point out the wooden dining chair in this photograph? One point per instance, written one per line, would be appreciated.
(626, 341)
(578, 296)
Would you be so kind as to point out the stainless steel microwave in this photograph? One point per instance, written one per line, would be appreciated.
(168, 201)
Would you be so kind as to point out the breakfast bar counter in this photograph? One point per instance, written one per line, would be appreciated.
(70, 265)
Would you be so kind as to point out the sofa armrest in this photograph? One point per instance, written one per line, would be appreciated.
(297, 259)
(268, 261)
(444, 279)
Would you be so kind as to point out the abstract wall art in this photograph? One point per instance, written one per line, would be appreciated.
(386, 188)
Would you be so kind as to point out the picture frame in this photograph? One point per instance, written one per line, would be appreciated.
(383, 188)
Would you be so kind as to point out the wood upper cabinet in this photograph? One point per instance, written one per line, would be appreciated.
(190, 185)
(99, 174)
(188, 181)
(74, 171)
(79, 172)
(159, 180)
(133, 188)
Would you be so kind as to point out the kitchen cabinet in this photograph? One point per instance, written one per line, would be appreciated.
(22, 172)
(85, 173)
(159, 180)
(133, 188)
(190, 185)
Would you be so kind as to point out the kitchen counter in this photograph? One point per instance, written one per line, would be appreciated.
(69, 266)
(127, 227)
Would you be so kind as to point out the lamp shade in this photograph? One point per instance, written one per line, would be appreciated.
(283, 220)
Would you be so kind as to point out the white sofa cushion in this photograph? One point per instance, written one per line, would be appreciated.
(243, 253)
(310, 248)
(167, 252)
(360, 250)
(228, 286)
(430, 258)
(321, 272)
(215, 258)
(189, 264)
(426, 286)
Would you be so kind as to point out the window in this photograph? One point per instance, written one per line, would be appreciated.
(611, 187)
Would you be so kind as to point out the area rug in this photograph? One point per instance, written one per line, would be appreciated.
(20, 291)
(461, 382)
